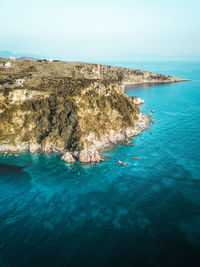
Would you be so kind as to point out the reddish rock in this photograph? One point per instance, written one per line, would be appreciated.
(84, 156)
(122, 163)
(135, 157)
(90, 156)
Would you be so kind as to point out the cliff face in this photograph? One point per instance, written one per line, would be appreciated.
(71, 107)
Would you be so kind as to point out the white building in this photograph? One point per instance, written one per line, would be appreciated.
(50, 60)
(20, 82)
(12, 58)
(7, 65)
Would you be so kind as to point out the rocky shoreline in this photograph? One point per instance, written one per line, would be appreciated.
(85, 155)
(92, 155)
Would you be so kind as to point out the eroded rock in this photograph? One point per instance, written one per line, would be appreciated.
(90, 156)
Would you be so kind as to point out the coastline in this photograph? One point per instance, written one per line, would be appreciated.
(152, 83)
(109, 141)
(85, 155)
(127, 133)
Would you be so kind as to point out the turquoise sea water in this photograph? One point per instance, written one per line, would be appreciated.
(144, 214)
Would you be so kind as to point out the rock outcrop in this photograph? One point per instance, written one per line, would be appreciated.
(68, 158)
(138, 100)
(76, 109)
(89, 156)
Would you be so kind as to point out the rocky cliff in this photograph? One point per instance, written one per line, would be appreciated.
(73, 108)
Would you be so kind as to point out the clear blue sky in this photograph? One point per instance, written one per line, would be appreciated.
(86, 29)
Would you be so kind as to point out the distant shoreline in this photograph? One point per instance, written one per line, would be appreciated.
(147, 84)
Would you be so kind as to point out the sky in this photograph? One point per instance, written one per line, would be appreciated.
(80, 30)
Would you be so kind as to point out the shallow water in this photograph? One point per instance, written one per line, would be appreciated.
(144, 214)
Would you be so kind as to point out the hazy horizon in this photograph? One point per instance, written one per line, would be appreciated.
(101, 30)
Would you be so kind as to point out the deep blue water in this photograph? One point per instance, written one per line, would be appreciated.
(144, 214)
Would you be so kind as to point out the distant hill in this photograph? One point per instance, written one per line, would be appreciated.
(25, 56)
(32, 59)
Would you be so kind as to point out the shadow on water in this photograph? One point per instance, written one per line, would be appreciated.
(8, 172)
(6, 169)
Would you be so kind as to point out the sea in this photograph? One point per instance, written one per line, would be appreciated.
(146, 213)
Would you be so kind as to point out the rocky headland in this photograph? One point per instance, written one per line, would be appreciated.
(77, 109)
